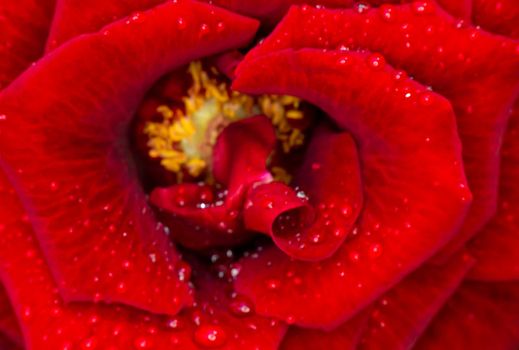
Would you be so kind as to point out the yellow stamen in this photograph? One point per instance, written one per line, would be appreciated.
(183, 140)
(281, 174)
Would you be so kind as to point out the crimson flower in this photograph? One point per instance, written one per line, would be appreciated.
(236, 175)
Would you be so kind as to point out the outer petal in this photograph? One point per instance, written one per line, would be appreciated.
(396, 320)
(8, 323)
(344, 337)
(456, 61)
(73, 169)
(24, 26)
(48, 323)
(75, 17)
(488, 312)
(402, 315)
(415, 189)
(497, 16)
(496, 247)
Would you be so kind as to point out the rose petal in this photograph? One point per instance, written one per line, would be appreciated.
(400, 316)
(461, 68)
(414, 186)
(344, 337)
(7, 344)
(497, 16)
(487, 314)
(73, 18)
(8, 323)
(205, 220)
(48, 323)
(330, 178)
(496, 247)
(73, 169)
(24, 26)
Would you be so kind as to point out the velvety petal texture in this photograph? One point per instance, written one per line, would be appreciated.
(487, 311)
(344, 337)
(24, 26)
(49, 323)
(8, 324)
(496, 247)
(75, 17)
(72, 114)
(414, 185)
(401, 316)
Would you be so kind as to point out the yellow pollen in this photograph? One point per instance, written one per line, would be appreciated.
(281, 174)
(184, 138)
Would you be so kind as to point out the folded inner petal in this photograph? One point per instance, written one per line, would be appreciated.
(205, 217)
(415, 192)
(311, 222)
(453, 58)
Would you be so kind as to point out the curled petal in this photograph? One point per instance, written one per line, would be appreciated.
(49, 323)
(415, 192)
(63, 144)
(203, 219)
(312, 223)
(454, 59)
(24, 26)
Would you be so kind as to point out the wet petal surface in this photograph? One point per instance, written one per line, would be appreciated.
(415, 190)
(73, 169)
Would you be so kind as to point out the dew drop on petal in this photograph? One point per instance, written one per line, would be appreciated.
(210, 336)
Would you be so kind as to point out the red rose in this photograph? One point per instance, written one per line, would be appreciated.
(357, 190)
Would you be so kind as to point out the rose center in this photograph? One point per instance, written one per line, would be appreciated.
(184, 134)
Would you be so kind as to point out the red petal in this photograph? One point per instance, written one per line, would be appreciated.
(497, 16)
(48, 323)
(344, 337)
(73, 169)
(402, 315)
(414, 187)
(204, 220)
(496, 248)
(478, 317)
(460, 63)
(73, 18)
(8, 323)
(24, 26)
(330, 177)
(7, 344)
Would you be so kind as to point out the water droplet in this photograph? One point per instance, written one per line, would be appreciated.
(376, 61)
(142, 343)
(204, 30)
(181, 23)
(273, 284)
(210, 336)
(183, 271)
(241, 307)
(375, 250)
(387, 12)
